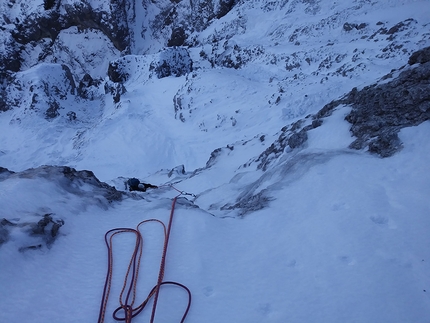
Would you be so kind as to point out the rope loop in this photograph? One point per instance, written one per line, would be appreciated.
(131, 276)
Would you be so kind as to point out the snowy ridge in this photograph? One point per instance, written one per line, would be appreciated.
(314, 60)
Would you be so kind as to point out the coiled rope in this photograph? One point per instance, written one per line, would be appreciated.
(127, 296)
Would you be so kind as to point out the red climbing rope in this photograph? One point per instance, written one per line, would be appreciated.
(130, 281)
(163, 260)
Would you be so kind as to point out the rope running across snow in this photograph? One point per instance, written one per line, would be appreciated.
(127, 296)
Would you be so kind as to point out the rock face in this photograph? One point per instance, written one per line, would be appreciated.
(36, 229)
(70, 180)
(36, 32)
(49, 23)
(110, 193)
(422, 56)
(400, 99)
(174, 62)
(41, 27)
(41, 233)
(292, 136)
(43, 94)
(379, 111)
(180, 19)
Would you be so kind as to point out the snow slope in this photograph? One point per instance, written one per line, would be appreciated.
(297, 58)
(345, 240)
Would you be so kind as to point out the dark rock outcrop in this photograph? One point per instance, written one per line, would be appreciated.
(177, 171)
(421, 56)
(110, 193)
(350, 26)
(379, 111)
(39, 230)
(43, 94)
(47, 227)
(9, 58)
(291, 137)
(3, 100)
(4, 230)
(116, 90)
(177, 38)
(42, 25)
(87, 88)
(116, 71)
(249, 203)
(49, 23)
(224, 7)
(53, 110)
(216, 154)
(183, 18)
(71, 181)
(5, 171)
(173, 62)
(41, 233)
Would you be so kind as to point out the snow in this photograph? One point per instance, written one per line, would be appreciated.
(335, 134)
(345, 242)
(71, 46)
(344, 237)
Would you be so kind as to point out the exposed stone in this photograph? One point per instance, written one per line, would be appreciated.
(48, 4)
(87, 88)
(178, 170)
(249, 203)
(183, 18)
(116, 73)
(48, 227)
(71, 115)
(183, 201)
(178, 37)
(350, 26)
(4, 232)
(400, 26)
(70, 180)
(386, 144)
(297, 139)
(49, 24)
(236, 57)
(3, 98)
(380, 111)
(52, 111)
(10, 60)
(224, 7)
(422, 56)
(88, 177)
(43, 231)
(216, 154)
(69, 77)
(5, 170)
(291, 137)
(116, 89)
(43, 94)
(173, 62)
